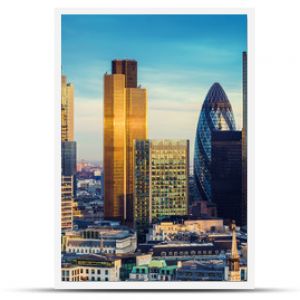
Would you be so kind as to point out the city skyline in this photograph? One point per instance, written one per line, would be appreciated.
(186, 60)
(140, 215)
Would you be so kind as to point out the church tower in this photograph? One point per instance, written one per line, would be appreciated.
(234, 260)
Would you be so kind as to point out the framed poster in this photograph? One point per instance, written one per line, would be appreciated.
(154, 149)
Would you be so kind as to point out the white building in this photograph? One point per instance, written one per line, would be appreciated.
(165, 230)
(105, 240)
(90, 268)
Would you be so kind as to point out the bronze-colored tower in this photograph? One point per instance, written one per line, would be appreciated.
(125, 119)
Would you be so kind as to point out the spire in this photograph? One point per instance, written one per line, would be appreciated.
(234, 249)
(234, 260)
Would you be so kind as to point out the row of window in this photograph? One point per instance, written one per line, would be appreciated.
(81, 271)
(193, 252)
(77, 279)
(90, 250)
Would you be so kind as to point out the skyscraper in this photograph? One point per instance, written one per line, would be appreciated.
(244, 138)
(68, 154)
(216, 114)
(68, 159)
(161, 174)
(226, 174)
(67, 110)
(125, 119)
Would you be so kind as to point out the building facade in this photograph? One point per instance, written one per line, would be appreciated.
(67, 110)
(161, 172)
(68, 158)
(90, 267)
(164, 231)
(66, 203)
(201, 271)
(155, 270)
(125, 119)
(226, 174)
(102, 240)
(68, 154)
(216, 114)
(244, 138)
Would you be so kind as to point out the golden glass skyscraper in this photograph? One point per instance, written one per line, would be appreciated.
(125, 119)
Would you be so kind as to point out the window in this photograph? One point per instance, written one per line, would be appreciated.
(93, 278)
(98, 272)
(106, 272)
(87, 271)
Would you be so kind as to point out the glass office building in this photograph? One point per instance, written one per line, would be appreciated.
(161, 172)
(216, 114)
(125, 119)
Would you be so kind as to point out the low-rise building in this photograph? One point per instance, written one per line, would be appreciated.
(189, 251)
(167, 230)
(155, 270)
(90, 267)
(201, 271)
(102, 239)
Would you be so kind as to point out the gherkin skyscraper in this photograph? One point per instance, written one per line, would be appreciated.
(216, 114)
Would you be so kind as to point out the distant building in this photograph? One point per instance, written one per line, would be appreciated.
(102, 240)
(125, 119)
(67, 110)
(164, 231)
(155, 270)
(201, 271)
(90, 267)
(161, 170)
(226, 174)
(66, 203)
(68, 158)
(203, 209)
(68, 161)
(188, 251)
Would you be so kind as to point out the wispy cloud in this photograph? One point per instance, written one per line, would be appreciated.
(179, 58)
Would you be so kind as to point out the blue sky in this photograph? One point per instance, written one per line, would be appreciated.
(179, 58)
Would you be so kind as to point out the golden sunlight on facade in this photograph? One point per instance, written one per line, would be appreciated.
(125, 119)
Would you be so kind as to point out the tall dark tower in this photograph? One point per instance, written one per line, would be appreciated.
(226, 174)
(128, 68)
(216, 114)
(244, 140)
